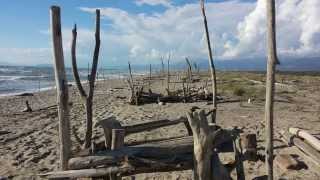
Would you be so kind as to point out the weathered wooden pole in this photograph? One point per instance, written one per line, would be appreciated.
(212, 67)
(272, 61)
(117, 143)
(168, 76)
(62, 87)
(150, 74)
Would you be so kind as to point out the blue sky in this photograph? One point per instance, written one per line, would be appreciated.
(142, 31)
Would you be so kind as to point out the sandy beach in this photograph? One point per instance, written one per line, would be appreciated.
(29, 140)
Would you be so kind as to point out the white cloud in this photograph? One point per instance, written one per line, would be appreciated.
(25, 56)
(298, 30)
(166, 3)
(143, 38)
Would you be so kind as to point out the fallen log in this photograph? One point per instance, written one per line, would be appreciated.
(130, 129)
(167, 149)
(135, 166)
(306, 150)
(313, 141)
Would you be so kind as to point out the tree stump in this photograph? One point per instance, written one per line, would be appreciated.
(207, 165)
(108, 124)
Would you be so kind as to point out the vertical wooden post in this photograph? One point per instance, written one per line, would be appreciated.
(62, 87)
(117, 138)
(150, 71)
(116, 143)
(212, 68)
(272, 61)
(130, 73)
(168, 77)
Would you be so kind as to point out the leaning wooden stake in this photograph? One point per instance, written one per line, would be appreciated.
(87, 98)
(62, 88)
(207, 165)
(212, 67)
(272, 61)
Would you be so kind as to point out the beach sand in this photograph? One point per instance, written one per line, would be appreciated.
(29, 140)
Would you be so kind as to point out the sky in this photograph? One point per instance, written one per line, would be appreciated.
(143, 31)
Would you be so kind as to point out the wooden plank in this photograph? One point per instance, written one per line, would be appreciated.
(62, 87)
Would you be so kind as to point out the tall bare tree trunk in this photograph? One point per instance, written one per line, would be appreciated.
(62, 88)
(272, 61)
(212, 68)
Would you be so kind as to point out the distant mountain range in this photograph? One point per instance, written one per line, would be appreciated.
(259, 64)
(287, 64)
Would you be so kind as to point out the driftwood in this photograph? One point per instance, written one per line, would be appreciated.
(62, 88)
(207, 165)
(212, 67)
(130, 129)
(111, 123)
(306, 150)
(27, 108)
(166, 149)
(87, 98)
(270, 81)
(134, 166)
(313, 141)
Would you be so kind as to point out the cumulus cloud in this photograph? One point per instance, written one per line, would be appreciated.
(298, 30)
(178, 30)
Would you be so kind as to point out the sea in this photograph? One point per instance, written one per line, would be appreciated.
(16, 80)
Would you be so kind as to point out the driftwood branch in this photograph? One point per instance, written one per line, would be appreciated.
(313, 141)
(212, 67)
(74, 63)
(87, 98)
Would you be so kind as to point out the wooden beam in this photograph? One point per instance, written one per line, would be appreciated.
(270, 80)
(62, 87)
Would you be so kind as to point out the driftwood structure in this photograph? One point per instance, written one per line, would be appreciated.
(172, 154)
(87, 97)
(62, 88)
(198, 150)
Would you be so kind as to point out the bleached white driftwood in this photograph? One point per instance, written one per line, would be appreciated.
(313, 141)
(62, 87)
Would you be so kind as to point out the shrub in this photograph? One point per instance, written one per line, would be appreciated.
(238, 91)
